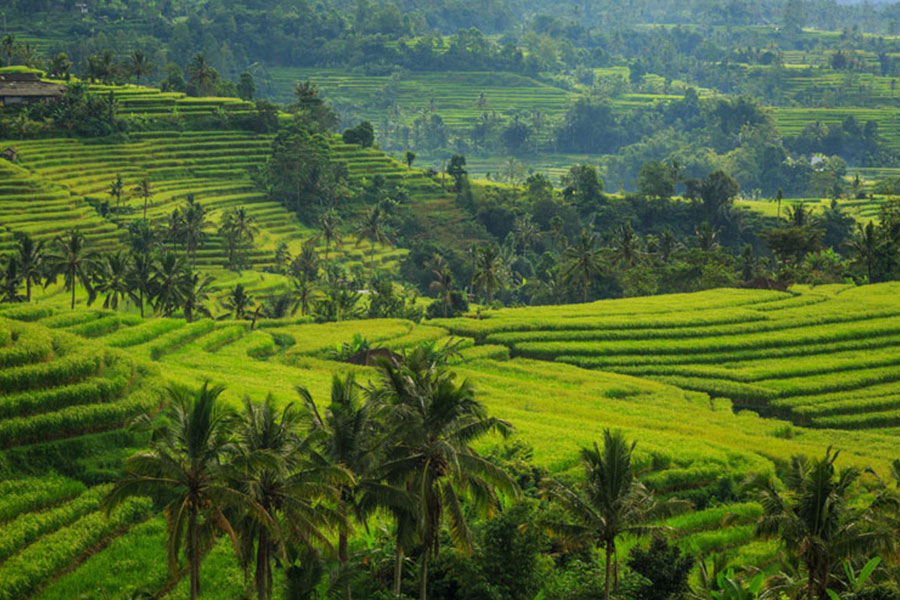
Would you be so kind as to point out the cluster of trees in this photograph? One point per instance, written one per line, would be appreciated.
(292, 485)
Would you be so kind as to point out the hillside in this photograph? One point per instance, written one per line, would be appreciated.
(82, 392)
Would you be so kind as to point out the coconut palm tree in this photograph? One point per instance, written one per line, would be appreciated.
(194, 293)
(143, 188)
(627, 245)
(9, 46)
(436, 420)
(140, 65)
(185, 464)
(202, 74)
(304, 290)
(30, 261)
(443, 284)
(239, 228)
(11, 281)
(490, 272)
(194, 220)
(116, 189)
(816, 520)
(583, 261)
(111, 279)
(373, 228)
(613, 501)
(280, 470)
(74, 262)
(352, 442)
(167, 283)
(329, 222)
(864, 247)
(238, 301)
(140, 278)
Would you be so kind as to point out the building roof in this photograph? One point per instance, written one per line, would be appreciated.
(28, 85)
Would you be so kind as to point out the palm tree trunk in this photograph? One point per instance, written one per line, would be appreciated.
(811, 584)
(606, 573)
(344, 558)
(262, 563)
(194, 555)
(398, 569)
(28, 289)
(372, 262)
(142, 301)
(423, 576)
(145, 208)
(73, 294)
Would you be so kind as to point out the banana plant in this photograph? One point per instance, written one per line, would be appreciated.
(856, 582)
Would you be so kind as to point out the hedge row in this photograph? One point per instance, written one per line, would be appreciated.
(28, 527)
(31, 345)
(220, 337)
(27, 570)
(26, 312)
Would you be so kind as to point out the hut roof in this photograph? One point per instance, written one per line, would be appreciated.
(28, 85)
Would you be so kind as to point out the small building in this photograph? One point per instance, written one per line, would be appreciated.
(10, 154)
(27, 88)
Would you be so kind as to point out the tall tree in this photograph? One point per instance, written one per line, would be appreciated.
(490, 272)
(74, 262)
(437, 420)
(238, 301)
(116, 189)
(185, 464)
(111, 279)
(373, 227)
(613, 501)
(202, 74)
(329, 223)
(583, 261)
(239, 228)
(194, 218)
(140, 278)
(30, 257)
(140, 65)
(143, 188)
(168, 283)
(194, 294)
(816, 520)
(280, 470)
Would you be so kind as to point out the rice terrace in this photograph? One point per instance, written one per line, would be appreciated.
(489, 300)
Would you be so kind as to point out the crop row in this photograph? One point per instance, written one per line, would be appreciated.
(171, 341)
(143, 332)
(25, 571)
(61, 371)
(129, 564)
(103, 326)
(28, 527)
(96, 389)
(702, 345)
(74, 420)
(31, 345)
(18, 496)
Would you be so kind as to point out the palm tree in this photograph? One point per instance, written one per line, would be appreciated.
(106, 64)
(525, 232)
(111, 279)
(140, 65)
(184, 462)
(443, 282)
(9, 46)
(350, 430)
(815, 519)
(329, 222)
(116, 189)
(167, 283)
(30, 261)
(436, 420)
(11, 281)
(490, 273)
(864, 247)
(238, 301)
(194, 294)
(707, 237)
(285, 477)
(583, 261)
(373, 228)
(304, 291)
(628, 245)
(140, 278)
(143, 188)
(175, 228)
(194, 220)
(202, 74)
(74, 262)
(614, 502)
(239, 228)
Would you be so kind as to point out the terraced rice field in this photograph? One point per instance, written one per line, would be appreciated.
(862, 210)
(790, 121)
(79, 374)
(824, 357)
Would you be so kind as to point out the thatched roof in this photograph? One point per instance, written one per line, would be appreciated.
(28, 85)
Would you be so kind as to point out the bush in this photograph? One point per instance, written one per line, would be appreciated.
(363, 134)
(665, 569)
